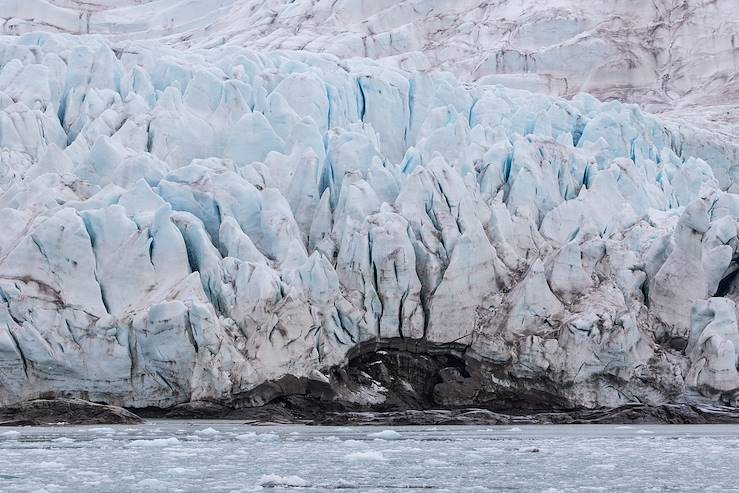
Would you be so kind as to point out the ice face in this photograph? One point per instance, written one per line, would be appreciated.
(184, 225)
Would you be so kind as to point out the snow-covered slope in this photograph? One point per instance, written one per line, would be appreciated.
(663, 53)
(195, 223)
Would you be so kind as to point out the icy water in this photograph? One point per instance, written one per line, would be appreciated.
(229, 456)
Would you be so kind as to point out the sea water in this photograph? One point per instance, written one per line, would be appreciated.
(205, 456)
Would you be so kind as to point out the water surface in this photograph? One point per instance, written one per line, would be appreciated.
(230, 456)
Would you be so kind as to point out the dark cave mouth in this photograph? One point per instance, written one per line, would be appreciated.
(411, 372)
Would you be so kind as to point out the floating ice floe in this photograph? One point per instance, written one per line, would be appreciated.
(385, 435)
(155, 442)
(369, 456)
(275, 481)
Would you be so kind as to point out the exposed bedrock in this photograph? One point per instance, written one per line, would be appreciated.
(41, 412)
(398, 374)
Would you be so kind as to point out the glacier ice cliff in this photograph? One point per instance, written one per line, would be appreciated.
(231, 225)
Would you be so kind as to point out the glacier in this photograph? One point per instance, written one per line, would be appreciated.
(234, 225)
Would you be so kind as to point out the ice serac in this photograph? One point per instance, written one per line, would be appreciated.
(681, 280)
(234, 226)
(712, 347)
